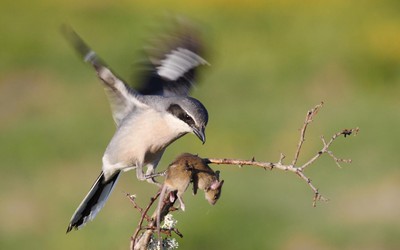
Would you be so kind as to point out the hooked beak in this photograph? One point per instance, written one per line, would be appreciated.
(200, 132)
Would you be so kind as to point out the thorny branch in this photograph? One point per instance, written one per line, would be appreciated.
(309, 118)
(142, 240)
(144, 215)
(298, 170)
(132, 198)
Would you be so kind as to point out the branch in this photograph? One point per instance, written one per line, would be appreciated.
(142, 241)
(309, 118)
(132, 198)
(143, 216)
(325, 149)
(143, 238)
(299, 171)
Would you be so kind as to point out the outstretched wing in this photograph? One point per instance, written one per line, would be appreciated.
(122, 98)
(171, 62)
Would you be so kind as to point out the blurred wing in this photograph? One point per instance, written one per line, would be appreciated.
(171, 63)
(122, 98)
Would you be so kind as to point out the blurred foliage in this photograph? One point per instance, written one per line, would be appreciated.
(271, 62)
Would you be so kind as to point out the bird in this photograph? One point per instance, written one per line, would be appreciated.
(148, 118)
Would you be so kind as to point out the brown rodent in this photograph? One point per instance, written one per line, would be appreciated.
(185, 169)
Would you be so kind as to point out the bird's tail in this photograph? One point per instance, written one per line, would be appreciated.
(93, 202)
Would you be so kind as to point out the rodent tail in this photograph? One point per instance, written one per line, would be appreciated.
(160, 202)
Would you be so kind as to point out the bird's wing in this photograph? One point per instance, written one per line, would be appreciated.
(170, 63)
(122, 98)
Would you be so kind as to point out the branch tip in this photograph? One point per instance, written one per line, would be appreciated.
(348, 132)
(281, 158)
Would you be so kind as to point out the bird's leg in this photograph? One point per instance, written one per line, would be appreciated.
(151, 168)
(139, 172)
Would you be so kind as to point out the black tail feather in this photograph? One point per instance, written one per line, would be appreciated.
(93, 202)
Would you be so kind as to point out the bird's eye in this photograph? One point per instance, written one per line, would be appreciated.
(186, 118)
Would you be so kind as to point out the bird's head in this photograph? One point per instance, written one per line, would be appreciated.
(192, 115)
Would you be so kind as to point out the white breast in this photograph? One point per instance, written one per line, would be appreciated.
(142, 137)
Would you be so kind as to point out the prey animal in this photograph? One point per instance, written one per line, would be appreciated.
(148, 119)
(186, 169)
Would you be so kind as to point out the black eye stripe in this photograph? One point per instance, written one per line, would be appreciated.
(186, 118)
(177, 111)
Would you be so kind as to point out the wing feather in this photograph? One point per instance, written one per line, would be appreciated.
(171, 62)
(122, 98)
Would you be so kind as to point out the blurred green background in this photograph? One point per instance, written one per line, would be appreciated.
(271, 62)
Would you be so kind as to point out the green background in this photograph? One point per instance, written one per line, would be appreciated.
(271, 61)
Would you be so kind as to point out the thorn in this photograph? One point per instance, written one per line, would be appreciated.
(282, 157)
(346, 132)
(131, 196)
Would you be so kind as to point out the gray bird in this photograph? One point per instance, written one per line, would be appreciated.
(148, 119)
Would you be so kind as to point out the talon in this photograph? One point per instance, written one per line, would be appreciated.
(140, 175)
(150, 179)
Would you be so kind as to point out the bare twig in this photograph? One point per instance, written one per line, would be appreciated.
(241, 163)
(345, 133)
(309, 118)
(132, 198)
(144, 215)
(142, 241)
(292, 167)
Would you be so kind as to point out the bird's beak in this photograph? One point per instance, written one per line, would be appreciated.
(200, 132)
